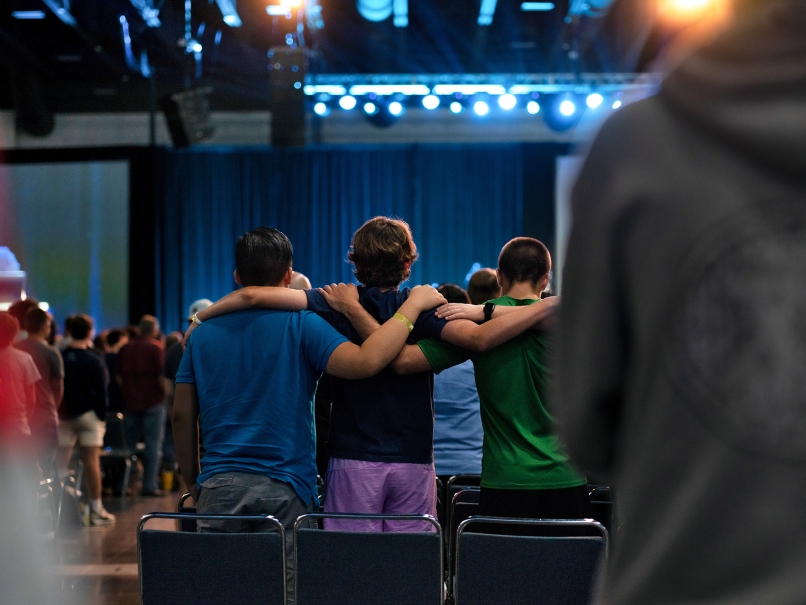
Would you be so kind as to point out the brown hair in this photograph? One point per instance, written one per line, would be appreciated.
(483, 286)
(453, 293)
(382, 252)
(9, 328)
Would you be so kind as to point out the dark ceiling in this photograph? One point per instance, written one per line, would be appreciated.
(84, 67)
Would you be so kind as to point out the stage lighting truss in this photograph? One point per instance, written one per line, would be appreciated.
(484, 94)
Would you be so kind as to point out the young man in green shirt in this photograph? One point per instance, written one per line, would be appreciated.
(525, 472)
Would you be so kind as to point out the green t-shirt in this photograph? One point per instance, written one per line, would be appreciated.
(520, 448)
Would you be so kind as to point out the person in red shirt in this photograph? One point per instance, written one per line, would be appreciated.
(139, 373)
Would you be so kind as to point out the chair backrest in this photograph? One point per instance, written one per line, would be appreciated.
(178, 568)
(464, 504)
(115, 435)
(601, 504)
(366, 568)
(493, 569)
(186, 523)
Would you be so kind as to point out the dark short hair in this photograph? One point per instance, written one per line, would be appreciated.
(263, 257)
(81, 326)
(113, 336)
(382, 251)
(9, 328)
(524, 259)
(453, 293)
(35, 320)
(483, 286)
(68, 325)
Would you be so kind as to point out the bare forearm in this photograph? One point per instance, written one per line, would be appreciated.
(362, 321)
(510, 324)
(57, 388)
(185, 422)
(256, 297)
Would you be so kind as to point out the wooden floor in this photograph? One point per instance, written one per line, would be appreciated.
(98, 565)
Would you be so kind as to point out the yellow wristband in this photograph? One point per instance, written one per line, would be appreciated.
(404, 319)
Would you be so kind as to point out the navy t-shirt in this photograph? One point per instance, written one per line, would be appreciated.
(255, 373)
(387, 417)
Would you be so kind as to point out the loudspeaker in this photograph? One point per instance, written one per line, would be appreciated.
(188, 116)
(288, 121)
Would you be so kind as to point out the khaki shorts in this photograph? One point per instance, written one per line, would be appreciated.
(87, 429)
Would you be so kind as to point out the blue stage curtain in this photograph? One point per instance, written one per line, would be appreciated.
(462, 202)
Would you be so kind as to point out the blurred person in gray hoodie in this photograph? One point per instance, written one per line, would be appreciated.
(682, 363)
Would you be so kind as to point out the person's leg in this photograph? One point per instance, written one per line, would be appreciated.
(355, 486)
(90, 439)
(154, 431)
(249, 494)
(91, 457)
(410, 489)
(133, 427)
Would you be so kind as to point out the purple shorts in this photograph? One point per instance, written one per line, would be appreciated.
(388, 488)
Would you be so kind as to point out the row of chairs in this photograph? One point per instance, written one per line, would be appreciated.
(367, 567)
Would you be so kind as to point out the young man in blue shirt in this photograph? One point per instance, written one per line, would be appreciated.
(247, 381)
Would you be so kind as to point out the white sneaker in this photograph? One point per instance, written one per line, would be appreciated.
(101, 517)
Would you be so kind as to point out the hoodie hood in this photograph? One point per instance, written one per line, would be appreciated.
(748, 88)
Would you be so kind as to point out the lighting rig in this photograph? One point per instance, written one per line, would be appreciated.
(561, 99)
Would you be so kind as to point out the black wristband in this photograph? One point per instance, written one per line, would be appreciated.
(488, 311)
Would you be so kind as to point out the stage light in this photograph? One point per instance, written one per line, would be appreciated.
(347, 102)
(278, 11)
(28, 14)
(431, 102)
(568, 108)
(481, 108)
(533, 107)
(320, 108)
(561, 111)
(395, 108)
(594, 100)
(456, 107)
(370, 108)
(617, 104)
(507, 101)
(229, 13)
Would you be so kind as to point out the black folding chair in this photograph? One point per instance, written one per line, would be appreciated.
(186, 523)
(116, 449)
(559, 570)
(601, 504)
(367, 568)
(188, 568)
(464, 504)
(457, 483)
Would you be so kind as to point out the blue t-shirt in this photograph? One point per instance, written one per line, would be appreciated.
(256, 374)
(387, 417)
(458, 435)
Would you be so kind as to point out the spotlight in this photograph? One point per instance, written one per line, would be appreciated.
(431, 102)
(395, 108)
(562, 112)
(533, 107)
(370, 108)
(568, 108)
(507, 101)
(617, 104)
(347, 102)
(456, 107)
(320, 108)
(481, 108)
(594, 100)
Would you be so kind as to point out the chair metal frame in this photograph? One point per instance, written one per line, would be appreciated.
(568, 523)
(125, 453)
(427, 518)
(451, 538)
(196, 517)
